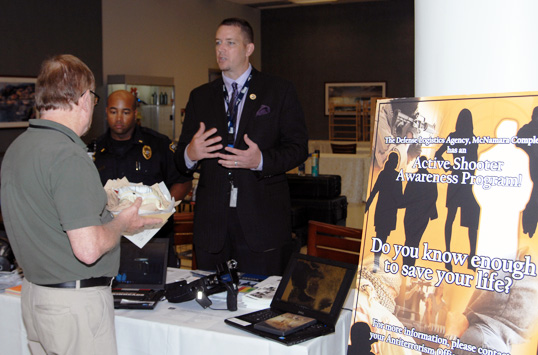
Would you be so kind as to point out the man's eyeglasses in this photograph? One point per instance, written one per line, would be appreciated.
(96, 97)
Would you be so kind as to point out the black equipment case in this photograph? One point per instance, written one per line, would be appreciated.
(328, 210)
(308, 186)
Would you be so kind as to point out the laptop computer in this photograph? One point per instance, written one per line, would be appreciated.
(141, 279)
(311, 288)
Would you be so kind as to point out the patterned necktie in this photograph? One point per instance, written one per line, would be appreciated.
(233, 110)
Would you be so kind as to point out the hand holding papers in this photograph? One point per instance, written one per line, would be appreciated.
(156, 202)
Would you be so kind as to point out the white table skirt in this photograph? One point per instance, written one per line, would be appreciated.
(181, 328)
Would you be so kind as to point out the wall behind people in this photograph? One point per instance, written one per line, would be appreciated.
(309, 45)
(138, 37)
(168, 38)
(358, 42)
(33, 30)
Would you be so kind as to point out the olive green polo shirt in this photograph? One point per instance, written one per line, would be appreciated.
(49, 186)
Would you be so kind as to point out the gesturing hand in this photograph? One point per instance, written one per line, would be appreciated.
(201, 146)
(243, 159)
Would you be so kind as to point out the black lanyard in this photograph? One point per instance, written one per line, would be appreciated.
(232, 118)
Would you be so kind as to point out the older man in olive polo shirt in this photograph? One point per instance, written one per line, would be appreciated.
(53, 206)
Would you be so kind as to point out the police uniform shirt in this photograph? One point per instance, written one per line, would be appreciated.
(148, 158)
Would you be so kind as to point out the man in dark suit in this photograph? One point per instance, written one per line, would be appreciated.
(243, 140)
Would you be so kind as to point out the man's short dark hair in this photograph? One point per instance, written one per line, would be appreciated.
(61, 82)
(242, 24)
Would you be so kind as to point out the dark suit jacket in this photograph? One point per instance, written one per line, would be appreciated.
(272, 117)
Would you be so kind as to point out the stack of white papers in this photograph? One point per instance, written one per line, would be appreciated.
(262, 295)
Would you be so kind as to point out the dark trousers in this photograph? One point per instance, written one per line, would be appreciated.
(167, 231)
(270, 262)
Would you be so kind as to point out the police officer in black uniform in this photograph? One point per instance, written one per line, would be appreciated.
(140, 154)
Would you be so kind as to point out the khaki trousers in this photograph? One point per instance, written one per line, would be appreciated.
(69, 321)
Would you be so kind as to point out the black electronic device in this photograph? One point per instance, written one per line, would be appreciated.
(310, 287)
(141, 280)
(225, 279)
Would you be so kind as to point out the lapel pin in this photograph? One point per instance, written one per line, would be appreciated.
(252, 96)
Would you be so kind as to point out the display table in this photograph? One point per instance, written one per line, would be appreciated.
(179, 328)
(353, 169)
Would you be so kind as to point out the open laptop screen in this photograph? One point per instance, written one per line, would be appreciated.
(143, 268)
(314, 287)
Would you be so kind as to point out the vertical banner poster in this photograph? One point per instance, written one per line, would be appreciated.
(449, 250)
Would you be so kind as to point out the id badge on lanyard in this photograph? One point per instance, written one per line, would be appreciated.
(233, 196)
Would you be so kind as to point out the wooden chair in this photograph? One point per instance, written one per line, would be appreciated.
(344, 122)
(183, 232)
(350, 148)
(334, 242)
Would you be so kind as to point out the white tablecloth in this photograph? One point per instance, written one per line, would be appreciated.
(181, 328)
(352, 168)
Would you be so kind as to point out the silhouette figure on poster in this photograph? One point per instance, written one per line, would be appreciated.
(360, 339)
(530, 214)
(501, 206)
(419, 201)
(389, 200)
(461, 195)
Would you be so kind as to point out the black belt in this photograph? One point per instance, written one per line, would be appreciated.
(92, 282)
